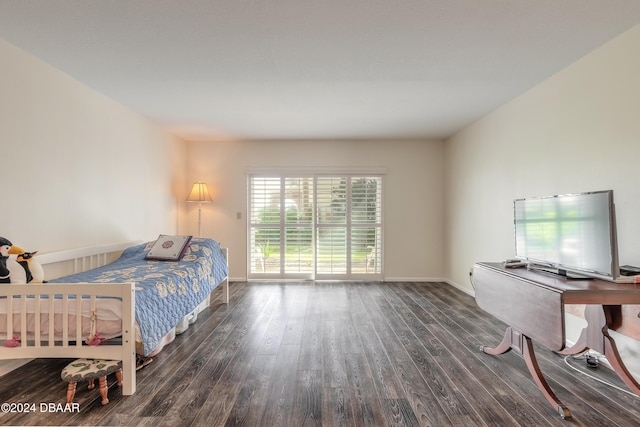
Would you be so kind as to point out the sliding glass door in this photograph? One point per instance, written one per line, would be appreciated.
(320, 226)
(281, 227)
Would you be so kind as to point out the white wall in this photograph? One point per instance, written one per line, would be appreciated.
(79, 169)
(577, 131)
(413, 216)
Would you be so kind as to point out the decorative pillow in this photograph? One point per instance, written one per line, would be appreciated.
(169, 248)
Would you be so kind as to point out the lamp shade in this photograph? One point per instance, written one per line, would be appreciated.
(199, 193)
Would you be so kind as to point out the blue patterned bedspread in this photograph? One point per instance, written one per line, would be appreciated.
(166, 291)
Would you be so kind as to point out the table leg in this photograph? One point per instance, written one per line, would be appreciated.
(613, 356)
(516, 340)
(501, 348)
(532, 363)
(600, 319)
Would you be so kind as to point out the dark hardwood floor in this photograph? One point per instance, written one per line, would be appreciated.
(333, 353)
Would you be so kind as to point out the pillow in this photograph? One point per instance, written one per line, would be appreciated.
(169, 248)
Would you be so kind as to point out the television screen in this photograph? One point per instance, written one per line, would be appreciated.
(574, 232)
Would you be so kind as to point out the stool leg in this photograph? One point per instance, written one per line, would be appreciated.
(119, 377)
(91, 384)
(71, 391)
(103, 390)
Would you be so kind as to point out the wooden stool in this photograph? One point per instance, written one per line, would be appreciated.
(89, 370)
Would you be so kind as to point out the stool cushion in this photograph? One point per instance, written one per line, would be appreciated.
(86, 369)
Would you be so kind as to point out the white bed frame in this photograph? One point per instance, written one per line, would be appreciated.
(83, 259)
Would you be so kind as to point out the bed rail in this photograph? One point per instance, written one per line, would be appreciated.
(43, 297)
(84, 259)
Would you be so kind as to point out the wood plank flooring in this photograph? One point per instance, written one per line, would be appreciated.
(333, 353)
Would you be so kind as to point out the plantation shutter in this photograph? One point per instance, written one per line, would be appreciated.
(264, 230)
(322, 226)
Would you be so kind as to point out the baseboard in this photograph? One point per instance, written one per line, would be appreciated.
(414, 279)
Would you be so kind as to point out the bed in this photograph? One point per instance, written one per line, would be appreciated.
(129, 306)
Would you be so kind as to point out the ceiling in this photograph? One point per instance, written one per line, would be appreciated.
(312, 69)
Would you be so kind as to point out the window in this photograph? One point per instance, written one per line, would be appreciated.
(320, 226)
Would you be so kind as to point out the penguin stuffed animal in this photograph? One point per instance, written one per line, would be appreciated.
(32, 267)
(10, 270)
(5, 274)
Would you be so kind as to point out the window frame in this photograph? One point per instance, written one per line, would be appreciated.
(317, 226)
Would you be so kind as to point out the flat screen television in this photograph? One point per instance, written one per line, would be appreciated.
(572, 234)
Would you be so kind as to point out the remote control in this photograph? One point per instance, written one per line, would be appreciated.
(514, 263)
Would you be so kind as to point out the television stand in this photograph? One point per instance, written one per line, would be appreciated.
(532, 304)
